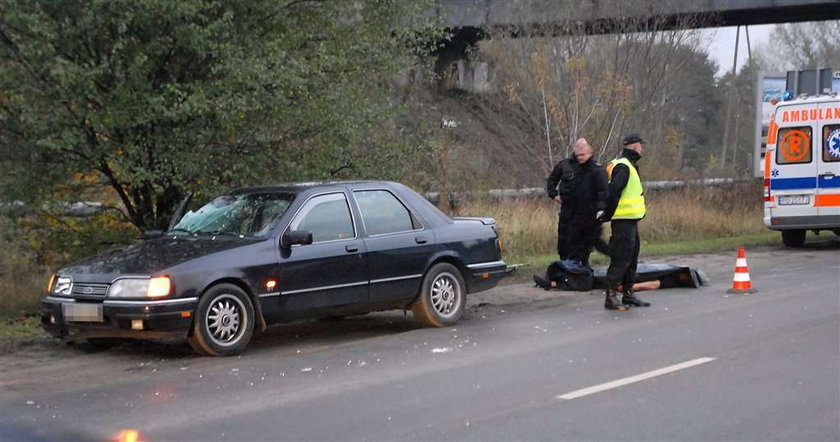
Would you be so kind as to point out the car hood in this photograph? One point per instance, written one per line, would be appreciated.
(150, 257)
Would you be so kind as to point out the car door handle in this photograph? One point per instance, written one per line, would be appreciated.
(420, 239)
(828, 175)
(351, 248)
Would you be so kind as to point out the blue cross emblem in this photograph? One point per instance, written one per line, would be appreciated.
(832, 144)
(774, 173)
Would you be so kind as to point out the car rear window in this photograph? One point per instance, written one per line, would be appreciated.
(794, 145)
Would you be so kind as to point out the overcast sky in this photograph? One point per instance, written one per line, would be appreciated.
(721, 44)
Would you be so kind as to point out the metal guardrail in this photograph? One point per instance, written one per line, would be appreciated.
(77, 209)
(539, 192)
(88, 208)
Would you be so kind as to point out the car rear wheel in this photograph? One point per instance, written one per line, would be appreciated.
(224, 321)
(442, 297)
(793, 238)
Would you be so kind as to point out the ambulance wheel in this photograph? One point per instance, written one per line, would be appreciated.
(793, 238)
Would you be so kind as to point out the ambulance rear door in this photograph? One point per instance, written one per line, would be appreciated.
(793, 177)
(828, 166)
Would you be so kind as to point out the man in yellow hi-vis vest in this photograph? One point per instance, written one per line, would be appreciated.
(625, 206)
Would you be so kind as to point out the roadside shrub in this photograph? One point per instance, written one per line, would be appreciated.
(56, 240)
(22, 280)
(33, 247)
(528, 226)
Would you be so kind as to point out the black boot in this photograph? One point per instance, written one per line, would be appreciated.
(629, 299)
(542, 282)
(611, 302)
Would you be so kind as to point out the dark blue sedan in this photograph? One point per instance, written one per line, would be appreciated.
(265, 255)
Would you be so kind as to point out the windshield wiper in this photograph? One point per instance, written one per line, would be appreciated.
(218, 233)
(178, 229)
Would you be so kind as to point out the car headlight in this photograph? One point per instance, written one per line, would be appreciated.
(62, 286)
(140, 287)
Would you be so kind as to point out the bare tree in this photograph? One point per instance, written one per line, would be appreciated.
(556, 86)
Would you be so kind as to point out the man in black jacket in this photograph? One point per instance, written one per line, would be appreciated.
(579, 183)
(559, 186)
(625, 207)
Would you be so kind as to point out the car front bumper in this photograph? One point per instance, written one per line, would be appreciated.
(161, 318)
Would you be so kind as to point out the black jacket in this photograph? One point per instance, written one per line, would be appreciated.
(561, 179)
(582, 187)
(618, 181)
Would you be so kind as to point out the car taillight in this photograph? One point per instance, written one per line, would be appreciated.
(767, 190)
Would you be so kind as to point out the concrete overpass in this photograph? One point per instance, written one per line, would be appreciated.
(606, 16)
(473, 20)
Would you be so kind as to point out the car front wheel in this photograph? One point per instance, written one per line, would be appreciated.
(442, 297)
(224, 321)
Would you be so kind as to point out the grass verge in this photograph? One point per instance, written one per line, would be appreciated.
(15, 333)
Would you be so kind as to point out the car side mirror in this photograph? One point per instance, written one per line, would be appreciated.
(151, 234)
(293, 237)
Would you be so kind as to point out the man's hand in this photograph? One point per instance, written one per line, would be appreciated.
(558, 199)
(599, 216)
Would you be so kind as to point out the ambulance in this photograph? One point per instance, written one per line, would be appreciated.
(802, 168)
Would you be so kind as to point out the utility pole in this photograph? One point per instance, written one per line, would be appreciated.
(731, 97)
(443, 198)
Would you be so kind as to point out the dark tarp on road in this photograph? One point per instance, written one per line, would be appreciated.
(668, 275)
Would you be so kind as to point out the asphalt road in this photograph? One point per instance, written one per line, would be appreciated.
(697, 365)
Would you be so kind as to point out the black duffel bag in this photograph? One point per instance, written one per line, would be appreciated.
(570, 275)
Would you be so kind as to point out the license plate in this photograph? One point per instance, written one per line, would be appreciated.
(794, 200)
(81, 312)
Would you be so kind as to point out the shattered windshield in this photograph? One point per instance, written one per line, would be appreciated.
(250, 214)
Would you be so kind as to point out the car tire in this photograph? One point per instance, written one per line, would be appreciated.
(793, 238)
(442, 297)
(223, 322)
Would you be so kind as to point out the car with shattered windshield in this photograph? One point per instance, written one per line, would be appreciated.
(266, 255)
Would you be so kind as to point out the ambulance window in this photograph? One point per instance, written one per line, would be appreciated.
(831, 143)
(794, 145)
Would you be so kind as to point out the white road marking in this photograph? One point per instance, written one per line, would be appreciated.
(633, 379)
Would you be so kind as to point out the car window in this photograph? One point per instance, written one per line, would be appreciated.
(327, 217)
(794, 145)
(382, 212)
(831, 143)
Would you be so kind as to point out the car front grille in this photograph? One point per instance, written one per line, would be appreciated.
(90, 291)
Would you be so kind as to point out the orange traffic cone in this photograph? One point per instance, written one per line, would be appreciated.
(741, 281)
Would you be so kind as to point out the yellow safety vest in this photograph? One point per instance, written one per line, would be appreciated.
(631, 204)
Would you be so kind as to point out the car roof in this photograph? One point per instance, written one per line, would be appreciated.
(304, 186)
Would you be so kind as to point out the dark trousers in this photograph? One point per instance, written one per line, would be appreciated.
(624, 253)
(582, 238)
(563, 235)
